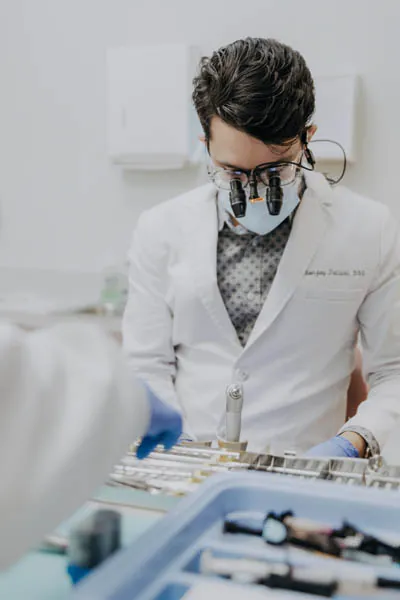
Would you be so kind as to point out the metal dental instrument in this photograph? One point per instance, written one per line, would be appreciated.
(185, 467)
(234, 405)
(233, 419)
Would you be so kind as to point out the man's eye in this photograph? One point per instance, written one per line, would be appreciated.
(230, 173)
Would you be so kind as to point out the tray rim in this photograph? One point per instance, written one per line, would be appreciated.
(149, 542)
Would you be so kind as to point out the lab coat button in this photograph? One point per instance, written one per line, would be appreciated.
(242, 375)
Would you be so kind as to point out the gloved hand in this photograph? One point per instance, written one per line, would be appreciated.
(165, 427)
(337, 446)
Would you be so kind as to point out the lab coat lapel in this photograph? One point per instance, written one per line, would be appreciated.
(202, 232)
(307, 232)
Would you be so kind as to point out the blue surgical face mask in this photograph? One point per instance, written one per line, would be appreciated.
(257, 218)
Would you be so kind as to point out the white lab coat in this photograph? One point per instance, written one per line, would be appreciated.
(69, 408)
(339, 276)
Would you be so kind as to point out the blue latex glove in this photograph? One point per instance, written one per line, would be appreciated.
(165, 427)
(337, 446)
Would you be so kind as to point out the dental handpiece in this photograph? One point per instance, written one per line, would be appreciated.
(323, 581)
(234, 405)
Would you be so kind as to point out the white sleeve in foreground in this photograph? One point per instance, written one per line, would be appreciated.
(69, 408)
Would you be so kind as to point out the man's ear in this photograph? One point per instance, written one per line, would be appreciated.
(202, 138)
(311, 131)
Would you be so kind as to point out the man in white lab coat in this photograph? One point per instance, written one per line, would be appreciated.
(265, 277)
(69, 408)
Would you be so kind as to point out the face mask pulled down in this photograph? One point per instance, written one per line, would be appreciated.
(258, 219)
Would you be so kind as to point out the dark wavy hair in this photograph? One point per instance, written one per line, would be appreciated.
(258, 86)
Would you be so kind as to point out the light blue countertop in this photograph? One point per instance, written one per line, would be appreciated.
(42, 576)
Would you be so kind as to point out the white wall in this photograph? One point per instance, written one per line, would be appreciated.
(63, 206)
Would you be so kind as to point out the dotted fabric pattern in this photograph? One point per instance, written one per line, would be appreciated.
(246, 267)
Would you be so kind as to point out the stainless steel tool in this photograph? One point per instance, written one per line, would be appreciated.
(183, 468)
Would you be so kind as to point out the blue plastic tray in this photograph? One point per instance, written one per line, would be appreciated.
(163, 563)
